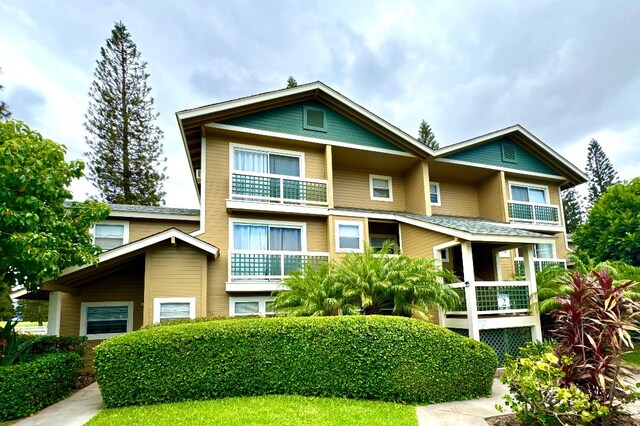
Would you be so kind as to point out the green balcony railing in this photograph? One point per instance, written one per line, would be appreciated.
(534, 213)
(538, 265)
(270, 265)
(278, 189)
(494, 297)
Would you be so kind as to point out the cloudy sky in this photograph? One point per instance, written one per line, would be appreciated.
(568, 71)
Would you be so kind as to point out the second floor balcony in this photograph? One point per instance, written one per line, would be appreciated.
(278, 189)
(534, 213)
(269, 265)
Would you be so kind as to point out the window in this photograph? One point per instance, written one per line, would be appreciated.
(100, 320)
(109, 235)
(444, 254)
(268, 162)
(529, 194)
(505, 253)
(170, 308)
(248, 236)
(349, 236)
(434, 193)
(251, 305)
(543, 251)
(381, 188)
(314, 119)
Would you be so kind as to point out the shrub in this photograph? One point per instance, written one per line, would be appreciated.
(29, 387)
(58, 344)
(363, 357)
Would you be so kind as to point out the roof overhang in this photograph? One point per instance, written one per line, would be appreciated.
(573, 175)
(192, 121)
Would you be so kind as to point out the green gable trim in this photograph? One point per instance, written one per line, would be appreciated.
(493, 154)
(291, 119)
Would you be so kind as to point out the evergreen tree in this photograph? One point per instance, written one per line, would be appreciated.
(5, 113)
(573, 213)
(600, 171)
(125, 160)
(291, 82)
(426, 136)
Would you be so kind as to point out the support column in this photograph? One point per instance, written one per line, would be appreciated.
(470, 290)
(55, 308)
(530, 276)
(497, 266)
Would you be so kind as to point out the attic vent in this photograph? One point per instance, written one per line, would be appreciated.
(314, 119)
(509, 153)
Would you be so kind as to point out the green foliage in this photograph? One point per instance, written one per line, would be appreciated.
(361, 357)
(426, 136)
(56, 344)
(125, 160)
(39, 235)
(573, 211)
(291, 82)
(375, 280)
(536, 394)
(7, 311)
(612, 230)
(13, 350)
(33, 310)
(29, 387)
(599, 170)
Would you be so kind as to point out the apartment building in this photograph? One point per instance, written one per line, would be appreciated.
(304, 174)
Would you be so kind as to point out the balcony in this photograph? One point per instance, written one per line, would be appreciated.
(495, 297)
(276, 189)
(264, 270)
(545, 214)
(538, 264)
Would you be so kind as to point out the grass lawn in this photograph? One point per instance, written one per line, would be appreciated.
(264, 411)
(633, 357)
(29, 324)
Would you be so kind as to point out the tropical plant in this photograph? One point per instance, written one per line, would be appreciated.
(13, 350)
(314, 291)
(593, 325)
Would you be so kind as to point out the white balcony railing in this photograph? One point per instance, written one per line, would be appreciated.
(495, 297)
(266, 265)
(269, 188)
(547, 214)
(538, 264)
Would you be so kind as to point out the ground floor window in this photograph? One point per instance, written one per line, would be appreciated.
(101, 320)
(171, 308)
(251, 305)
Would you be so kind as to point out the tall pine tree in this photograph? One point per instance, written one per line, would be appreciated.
(291, 82)
(573, 213)
(125, 160)
(599, 170)
(5, 112)
(426, 136)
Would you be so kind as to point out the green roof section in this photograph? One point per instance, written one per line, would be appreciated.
(290, 119)
(494, 154)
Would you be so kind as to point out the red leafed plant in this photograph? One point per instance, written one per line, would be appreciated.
(593, 325)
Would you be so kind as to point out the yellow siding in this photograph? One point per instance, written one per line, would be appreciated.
(490, 199)
(172, 272)
(418, 242)
(561, 246)
(416, 193)
(70, 315)
(140, 228)
(457, 199)
(351, 189)
(506, 265)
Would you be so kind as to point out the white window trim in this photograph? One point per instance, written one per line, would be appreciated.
(381, 177)
(545, 188)
(505, 254)
(439, 203)
(262, 304)
(256, 148)
(160, 300)
(444, 255)
(125, 231)
(284, 224)
(83, 319)
(360, 226)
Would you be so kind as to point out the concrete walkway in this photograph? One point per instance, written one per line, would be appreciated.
(76, 410)
(464, 413)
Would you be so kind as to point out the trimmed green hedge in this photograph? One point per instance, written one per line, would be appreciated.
(57, 344)
(29, 387)
(363, 357)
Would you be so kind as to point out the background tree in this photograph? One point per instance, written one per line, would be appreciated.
(600, 171)
(39, 236)
(426, 136)
(291, 82)
(125, 160)
(5, 113)
(33, 310)
(573, 213)
(6, 305)
(612, 229)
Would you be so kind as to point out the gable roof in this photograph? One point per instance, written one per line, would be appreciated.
(574, 176)
(191, 121)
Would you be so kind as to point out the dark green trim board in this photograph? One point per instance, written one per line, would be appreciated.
(493, 154)
(289, 119)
